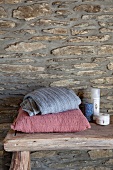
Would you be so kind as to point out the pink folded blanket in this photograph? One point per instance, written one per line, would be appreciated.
(68, 121)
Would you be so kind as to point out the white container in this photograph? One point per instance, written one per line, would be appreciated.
(95, 93)
(103, 119)
(95, 99)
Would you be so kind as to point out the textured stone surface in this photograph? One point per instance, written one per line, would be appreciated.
(42, 154)
(25, 47)
(56, 43)
(84, 24)
(7, 24)
(110, 66)
(20, 68)
(88, 8)
(106, 49)
(49, 38)
(84, 31)
(50, 22)
(102, 30)
(31, 12)
(10, 1)
(90, 39)
(69, 82)
(95, 154)
(105, 24)
(89, 73)
(56, 31)
(3, 13)
(86, 65)
(24, 31)
(73, 50)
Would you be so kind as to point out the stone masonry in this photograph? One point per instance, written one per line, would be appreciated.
(56, 43)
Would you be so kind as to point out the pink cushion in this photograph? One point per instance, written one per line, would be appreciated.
(68, 121)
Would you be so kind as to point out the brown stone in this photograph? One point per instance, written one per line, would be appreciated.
(73, 50)
(90, 73)
(48, 38)
(19, 68)
(109, 162)
(98, 81)
(84, 31)
(104, 80)
(89, 0)
(105, 17)
(1, 1)
(110, 98)
(95, 154)
(56, 3)
(108, 9)
(105, 49)
(86, 65)
(43, 154)
(65, 59)
(109, 105)
(2, 32)
(62, 12)
(99, 17)
(88, 168)
(102, 168)
(10, 1)
(13, 1)
(107, 87)
(24, 31)
(106, 24)
(7, 24)
(39, 55)
(102, 30)
(56, 31)
(3, 13)
(88, 17)
(8, 56)
(49, 76)
(1, 153)
(50, 22)
(60, 4)
(88, 8)
(25, 47)
(5, 126)
(73, 19)
(85, 25)
(90, 38)
(110, 66)
(32, 11)
(99, 59)
(68, 82)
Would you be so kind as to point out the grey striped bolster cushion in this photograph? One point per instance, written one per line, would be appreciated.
(50, 100)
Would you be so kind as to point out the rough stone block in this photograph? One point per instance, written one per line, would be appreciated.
(32, 11)
(90, 39)
(95, 154)
(105, 49)
(25, 47)
(3, 13)
(56, 31)
(88, 8)
(73, 50)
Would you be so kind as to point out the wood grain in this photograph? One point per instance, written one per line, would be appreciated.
(20, 161)
(98, 137)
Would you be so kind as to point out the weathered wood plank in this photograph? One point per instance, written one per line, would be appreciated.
(98, 137)
(20, 161)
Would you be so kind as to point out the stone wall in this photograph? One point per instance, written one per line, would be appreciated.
(56, 43)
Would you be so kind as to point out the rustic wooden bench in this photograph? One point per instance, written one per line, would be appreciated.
(98, 137)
